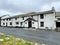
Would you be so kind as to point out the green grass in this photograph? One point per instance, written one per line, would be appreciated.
(10, 40)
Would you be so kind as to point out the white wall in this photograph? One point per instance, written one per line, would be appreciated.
(49, 21)
(3, 22)
(26, 22)
(35, 23)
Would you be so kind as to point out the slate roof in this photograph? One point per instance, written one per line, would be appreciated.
(5, 15)
(32, 14)
(30, 19)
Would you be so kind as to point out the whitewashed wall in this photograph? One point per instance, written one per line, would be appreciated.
(3, 22)
(49, 21)
(35, 23)
(26, 22)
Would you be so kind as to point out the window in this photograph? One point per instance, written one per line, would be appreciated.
(10, 23)
(3, 23)
(9, 18)
(3, 19)
(32, 16)
(21, 23)
(42, 24)
(58, 18)
(41, 16)
(15, 18)
(23, 18)
(17, 22)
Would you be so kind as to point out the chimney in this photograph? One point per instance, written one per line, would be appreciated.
(53, 9)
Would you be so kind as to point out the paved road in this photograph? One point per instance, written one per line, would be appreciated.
(47, 37)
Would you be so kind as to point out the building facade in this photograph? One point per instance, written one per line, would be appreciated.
(41, 20)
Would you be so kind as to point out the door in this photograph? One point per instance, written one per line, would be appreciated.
(29, 24)
(57, 24)
(6, 24)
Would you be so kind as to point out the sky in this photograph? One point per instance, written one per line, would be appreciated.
(15, 7)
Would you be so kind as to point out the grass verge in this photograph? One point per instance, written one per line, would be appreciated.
(10, 40)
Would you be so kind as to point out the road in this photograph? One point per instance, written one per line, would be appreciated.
(46, 37)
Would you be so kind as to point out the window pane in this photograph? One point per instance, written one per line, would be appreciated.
(21, 23)
(15, 18)
(10, 23)
(32, 16)
(3, 23)
(9, 18)
(3, 19)
(23, 18)
(58, 18)
(41, 16)
(17, 22)
(42, 24)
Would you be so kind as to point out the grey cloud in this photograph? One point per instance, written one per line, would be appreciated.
(16, 6)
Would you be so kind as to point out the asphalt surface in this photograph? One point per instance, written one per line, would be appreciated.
(45, 37)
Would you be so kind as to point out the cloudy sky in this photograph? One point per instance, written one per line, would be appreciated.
(13, 7)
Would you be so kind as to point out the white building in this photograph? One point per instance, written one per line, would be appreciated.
(41, 20)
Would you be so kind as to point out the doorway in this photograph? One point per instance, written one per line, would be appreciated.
(57, 24)
(6, 24)
(29, 24)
